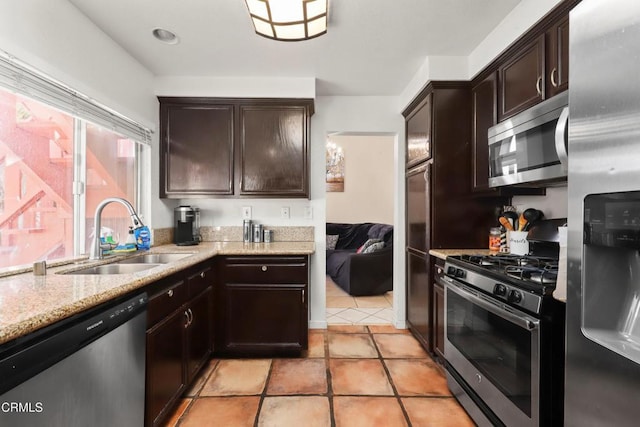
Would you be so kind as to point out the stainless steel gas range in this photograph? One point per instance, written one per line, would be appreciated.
(504, 338)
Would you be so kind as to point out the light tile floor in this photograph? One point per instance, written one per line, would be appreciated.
(344, 309)
(352, 375)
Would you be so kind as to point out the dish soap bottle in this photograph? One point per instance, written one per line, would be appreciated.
(143, 237)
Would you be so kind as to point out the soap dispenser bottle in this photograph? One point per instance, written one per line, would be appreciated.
(131, 239)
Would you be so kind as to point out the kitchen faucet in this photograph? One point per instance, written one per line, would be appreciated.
(96, 247)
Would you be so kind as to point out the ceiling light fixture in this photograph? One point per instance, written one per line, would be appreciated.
(289, 20)
(165, 36)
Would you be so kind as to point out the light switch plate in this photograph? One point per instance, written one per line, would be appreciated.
(284, 212)
(308, 212)
(246, 212)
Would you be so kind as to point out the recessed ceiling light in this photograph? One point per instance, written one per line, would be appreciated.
(165, 36)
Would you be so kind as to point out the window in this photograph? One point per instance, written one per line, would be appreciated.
(55, 168)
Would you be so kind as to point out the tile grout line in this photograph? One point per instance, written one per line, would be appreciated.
(327, 358)
(393, 386)
(263, 394)
(196, 396)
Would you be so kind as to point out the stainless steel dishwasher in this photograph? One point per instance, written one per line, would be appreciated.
(88, 370)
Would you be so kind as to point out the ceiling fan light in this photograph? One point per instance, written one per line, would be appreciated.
(288, 20)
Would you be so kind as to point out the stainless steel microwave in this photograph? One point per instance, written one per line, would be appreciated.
(530, 147)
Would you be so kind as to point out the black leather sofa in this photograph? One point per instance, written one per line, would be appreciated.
(365, 273)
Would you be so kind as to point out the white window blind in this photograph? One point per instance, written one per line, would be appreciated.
(25, 80)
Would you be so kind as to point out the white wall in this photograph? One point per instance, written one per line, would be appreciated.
(554, 204)
(368, 194)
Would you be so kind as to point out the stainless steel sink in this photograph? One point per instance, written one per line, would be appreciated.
(114, 269)
(153, 259)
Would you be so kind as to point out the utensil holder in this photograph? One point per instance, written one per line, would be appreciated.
(518, 243)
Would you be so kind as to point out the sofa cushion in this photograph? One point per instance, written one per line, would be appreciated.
(373, 247)
(365, 246)
(352, 236)
(383, 232)
(332, 239)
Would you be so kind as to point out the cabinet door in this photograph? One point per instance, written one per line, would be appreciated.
(484, 98)
(198, 333)
(165, 375)
(558, 57)
(416, 208)
(418, 130)
(264, 318)
(418, 300)
(274, 154)
(522, 79)
(438, 320)
(196, 152)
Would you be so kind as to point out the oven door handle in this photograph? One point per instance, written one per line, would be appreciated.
(523, 322)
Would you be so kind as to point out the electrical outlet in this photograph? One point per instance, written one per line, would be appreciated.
(246, 212)
(284, 212)
(308, 212)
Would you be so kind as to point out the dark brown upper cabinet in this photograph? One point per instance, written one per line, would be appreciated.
(418, 130)
(229, 147)
(274, 151)
(558, 57)
(484, 98)
(196, 149)
(522, 79)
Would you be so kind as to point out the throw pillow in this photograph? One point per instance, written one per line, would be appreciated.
(368, 243)
(332, 240)
(374, 247)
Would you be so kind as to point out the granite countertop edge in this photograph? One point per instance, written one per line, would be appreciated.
(444, 253)
(29, 303)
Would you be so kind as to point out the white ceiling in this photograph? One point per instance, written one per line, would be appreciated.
(372, 47)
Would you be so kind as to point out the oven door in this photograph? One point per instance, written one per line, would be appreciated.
(495, 350)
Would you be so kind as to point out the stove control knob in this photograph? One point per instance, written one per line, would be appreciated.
(500, 290)
(515, 297)
(451, 270)
(460, 273)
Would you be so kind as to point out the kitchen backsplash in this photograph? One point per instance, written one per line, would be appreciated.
(554, 204)
(163, 236)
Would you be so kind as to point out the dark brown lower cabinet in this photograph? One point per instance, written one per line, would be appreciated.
(262, 305)
(418, 299)
(179, 338)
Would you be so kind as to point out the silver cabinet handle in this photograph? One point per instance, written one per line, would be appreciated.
(538, 85)
(190, 316)
(202, 275)
(170, 293)
(553, 79)
(263, 268)
(186, 325)
(303, 296)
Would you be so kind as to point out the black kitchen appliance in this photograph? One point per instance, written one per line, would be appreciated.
(186, 226)
(504, 334)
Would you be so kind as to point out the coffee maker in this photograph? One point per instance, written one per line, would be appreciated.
(186, 226)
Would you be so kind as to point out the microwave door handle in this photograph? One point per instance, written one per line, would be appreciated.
(561, 128)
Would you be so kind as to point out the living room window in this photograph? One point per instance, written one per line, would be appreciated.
(57, 162)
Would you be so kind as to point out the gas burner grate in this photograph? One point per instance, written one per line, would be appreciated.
(546, 274)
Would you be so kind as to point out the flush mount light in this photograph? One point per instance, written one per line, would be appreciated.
(165, 36)
(289, 20)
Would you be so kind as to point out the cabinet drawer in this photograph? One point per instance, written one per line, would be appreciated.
(164, 303)
(199, 281)
(265, 270)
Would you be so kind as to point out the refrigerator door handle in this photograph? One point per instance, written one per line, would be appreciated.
(561, 147)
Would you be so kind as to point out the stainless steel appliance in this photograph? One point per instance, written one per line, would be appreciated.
(603, 289)
(504, 337)
(186, 230)
(88, 370)
(531, 146)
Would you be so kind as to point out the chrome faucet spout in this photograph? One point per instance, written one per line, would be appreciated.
(96, 249)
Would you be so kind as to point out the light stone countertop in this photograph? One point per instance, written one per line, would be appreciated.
(444, 253)
(29, 303)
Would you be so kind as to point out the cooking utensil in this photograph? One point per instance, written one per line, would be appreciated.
(506, 223)
(513, 216)
(531, 215)
(522, 222)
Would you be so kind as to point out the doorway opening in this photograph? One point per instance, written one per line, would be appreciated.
(360, 194)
